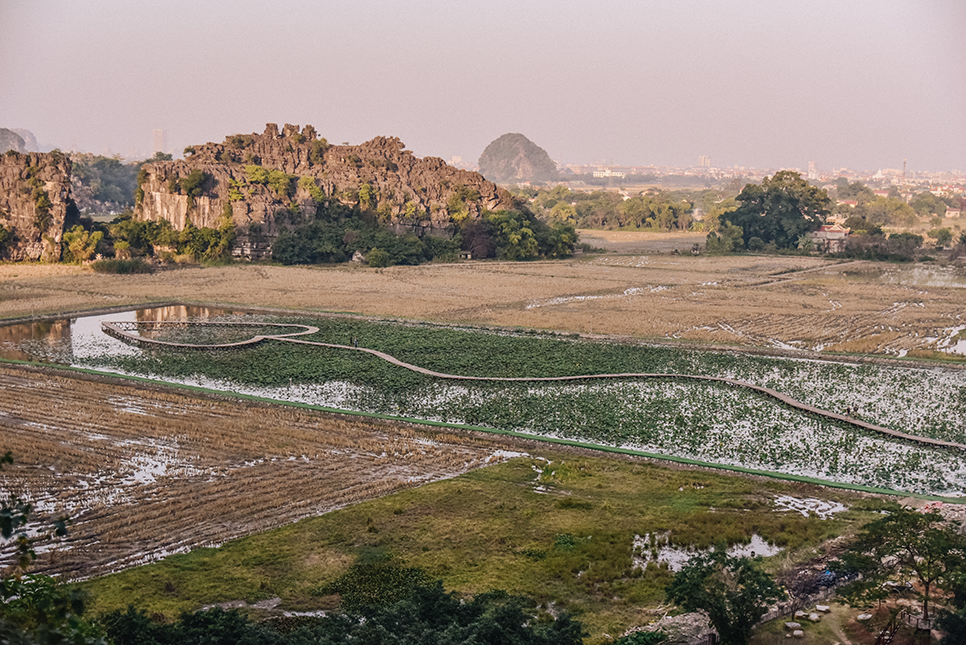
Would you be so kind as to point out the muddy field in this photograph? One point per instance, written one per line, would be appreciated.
(767, 301)
(144, 473)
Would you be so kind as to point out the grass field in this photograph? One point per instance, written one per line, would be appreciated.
(558, 527)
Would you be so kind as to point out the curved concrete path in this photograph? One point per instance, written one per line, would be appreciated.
(111, 329)
(117, 330)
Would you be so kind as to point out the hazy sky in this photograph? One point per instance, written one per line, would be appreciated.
(856, 83)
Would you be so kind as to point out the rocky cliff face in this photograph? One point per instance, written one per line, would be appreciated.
(34, 200)
(10, 140)
(513, 158)
(242, 178)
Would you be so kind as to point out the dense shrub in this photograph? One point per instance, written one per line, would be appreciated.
(135, 265)
(382, 604)
(338, 231)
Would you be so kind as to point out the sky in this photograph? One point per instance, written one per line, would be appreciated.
(861, 84)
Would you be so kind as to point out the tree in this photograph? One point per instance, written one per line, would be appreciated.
(887, 211)
(729, 240)
(515, 239)
(366, 196)
(378, 258)
(563, 212)
(925, 203)
(904, 244)
(861, 226)
(781, 210)
(558, 240)
(80, 244)
(734, 592)
(380, 603)
(943, 236)
(904, 543)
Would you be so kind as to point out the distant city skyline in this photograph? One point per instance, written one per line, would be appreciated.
(752, 83)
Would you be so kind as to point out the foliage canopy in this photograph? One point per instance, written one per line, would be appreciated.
(782, 209)
(734, 592)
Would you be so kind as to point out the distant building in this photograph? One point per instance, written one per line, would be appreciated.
(607, 172)
(159, 141)
(830, 238)
(812, 172)
(704, 161)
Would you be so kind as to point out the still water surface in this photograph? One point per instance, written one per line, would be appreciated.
(64, 341)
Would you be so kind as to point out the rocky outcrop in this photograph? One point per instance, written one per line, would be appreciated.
(29, 140)
(34, 204)
(514, 159)
(10, 140)
(241, 179)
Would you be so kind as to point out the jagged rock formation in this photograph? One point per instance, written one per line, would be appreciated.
(29, 140)
(513, 159)
(35, 204)
(408, 193)
(10, 140)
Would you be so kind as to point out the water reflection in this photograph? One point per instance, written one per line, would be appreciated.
(63, 340)
(49, 335)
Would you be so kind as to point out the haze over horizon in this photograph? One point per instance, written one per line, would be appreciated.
(754, 83)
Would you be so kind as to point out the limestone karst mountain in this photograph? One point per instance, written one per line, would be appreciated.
(35, 204)
(10, 140)
(266, 181)
(513, 158)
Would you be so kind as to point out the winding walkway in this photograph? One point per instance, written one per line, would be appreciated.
(113, 329)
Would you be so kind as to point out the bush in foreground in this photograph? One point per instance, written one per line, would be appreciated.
(136, 265)
(424, 614)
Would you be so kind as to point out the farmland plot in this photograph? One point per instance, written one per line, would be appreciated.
(708, 422)
(145, 473)
(766, 301)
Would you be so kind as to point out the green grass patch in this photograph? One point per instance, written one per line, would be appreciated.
(563, 536)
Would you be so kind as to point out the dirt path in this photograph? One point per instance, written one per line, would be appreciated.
(794, 275)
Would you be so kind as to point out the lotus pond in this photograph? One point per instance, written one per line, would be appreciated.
(703, 421)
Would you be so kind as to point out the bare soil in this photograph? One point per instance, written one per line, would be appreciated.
(145, 472)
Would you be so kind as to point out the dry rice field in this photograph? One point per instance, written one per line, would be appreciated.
(765, 301)
(147, 472)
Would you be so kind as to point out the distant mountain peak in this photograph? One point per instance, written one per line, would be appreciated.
(513, 158)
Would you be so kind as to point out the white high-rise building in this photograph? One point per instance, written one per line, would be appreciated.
(159, 142)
